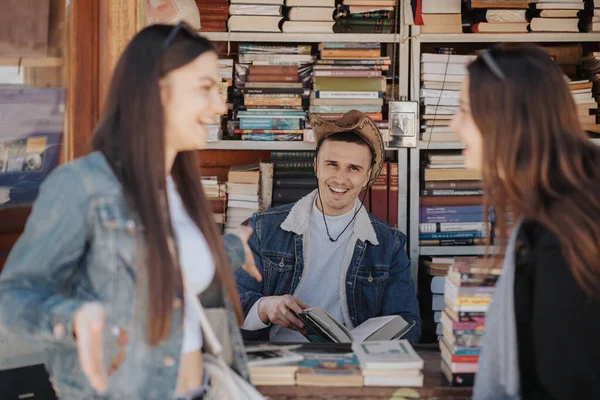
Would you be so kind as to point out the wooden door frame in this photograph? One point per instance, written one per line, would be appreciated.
(97, 34)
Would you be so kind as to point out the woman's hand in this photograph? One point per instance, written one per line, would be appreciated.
(244, 232)
(88, 324)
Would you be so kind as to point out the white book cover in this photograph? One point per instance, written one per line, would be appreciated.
(447, 58)
(396, 354)
(441, 101)
(443, 68)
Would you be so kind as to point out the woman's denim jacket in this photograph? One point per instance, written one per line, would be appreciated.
(80, 244)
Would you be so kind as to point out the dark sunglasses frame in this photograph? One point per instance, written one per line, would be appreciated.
(489, 61)
(181, 26)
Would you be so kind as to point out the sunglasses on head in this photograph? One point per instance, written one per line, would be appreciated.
(181, 26)
(489, 61)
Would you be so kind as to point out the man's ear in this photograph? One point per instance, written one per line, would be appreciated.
(315, 165)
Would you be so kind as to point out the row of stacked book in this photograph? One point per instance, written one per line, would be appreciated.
(451, 205)
(309, 16)
(468, 288)
(442, 75)
(288, 177)
(506, 16)
(373, 363)
(276, 86)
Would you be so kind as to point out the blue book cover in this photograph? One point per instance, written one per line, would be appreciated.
(446, 218)
(265, 112)
(270, 123)
(451, 235)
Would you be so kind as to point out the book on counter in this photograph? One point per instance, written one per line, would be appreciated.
(322, 327)
(269, 355)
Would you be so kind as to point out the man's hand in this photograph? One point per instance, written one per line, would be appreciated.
(244, 232)
(277, 310)
(88, 323)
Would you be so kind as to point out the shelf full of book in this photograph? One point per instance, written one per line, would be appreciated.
(260, 145)
(435, 83)
(302, 37)
(503, 37)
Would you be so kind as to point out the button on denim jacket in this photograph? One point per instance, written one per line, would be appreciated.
(375, 279)
(80, 244)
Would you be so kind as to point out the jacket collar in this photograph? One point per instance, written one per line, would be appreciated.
(298, 219)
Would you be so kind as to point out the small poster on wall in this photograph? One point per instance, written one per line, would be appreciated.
(31, 128)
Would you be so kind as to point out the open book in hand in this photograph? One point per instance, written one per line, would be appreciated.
(322, 327)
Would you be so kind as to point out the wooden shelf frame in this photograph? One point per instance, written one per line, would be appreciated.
(301, 37)
(39, 62)
(538, 37)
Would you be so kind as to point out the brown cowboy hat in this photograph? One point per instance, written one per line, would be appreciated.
(362, 125)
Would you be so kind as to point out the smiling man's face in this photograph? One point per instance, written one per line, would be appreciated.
(343, 169)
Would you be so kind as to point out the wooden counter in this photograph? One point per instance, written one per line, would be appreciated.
(435, 386)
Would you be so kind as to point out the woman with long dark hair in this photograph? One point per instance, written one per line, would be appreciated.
(521, 129)
(99, 271)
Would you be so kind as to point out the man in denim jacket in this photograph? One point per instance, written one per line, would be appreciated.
(326, 250)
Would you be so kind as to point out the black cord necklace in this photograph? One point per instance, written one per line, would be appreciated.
(325, 220)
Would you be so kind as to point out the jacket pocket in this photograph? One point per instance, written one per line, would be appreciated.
(278, 270)
(369, 291)
(115, 245)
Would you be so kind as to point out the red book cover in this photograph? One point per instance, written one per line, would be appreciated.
(213, 26)
(379, 195)
(273, 78)
(273, 70)
(418, 15)
(393, 194)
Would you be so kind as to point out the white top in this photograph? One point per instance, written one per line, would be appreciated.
(321, 275)
(196, 262)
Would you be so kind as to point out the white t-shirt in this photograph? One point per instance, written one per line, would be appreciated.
(196, 262)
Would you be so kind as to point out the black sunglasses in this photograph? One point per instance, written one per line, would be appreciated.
(488, 59)
(181, 26)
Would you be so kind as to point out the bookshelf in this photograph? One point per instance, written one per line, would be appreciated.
(399, 39)
(417, 40)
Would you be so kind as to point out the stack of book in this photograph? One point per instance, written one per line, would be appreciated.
(389, 363)
(215, 131)
(432, 271)
(556, 16)
(349, 76)
(590, 69)
(440, 16)
(453, 216)
(498, 16)
(591, 22)
(242, 194)
(215, 193)
(469, 287)
(330, 370)
(213, 15)
(441, 78)
(294, 175)
(587, 106)
(255, 15)
(272, 365)
(366, 16)
(271, 83)
(309, 16)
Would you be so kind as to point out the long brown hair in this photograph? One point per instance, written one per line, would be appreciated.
(131, 136)
(538, 163)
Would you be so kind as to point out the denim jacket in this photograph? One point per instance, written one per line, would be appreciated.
(80, 244)
(377, 270)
